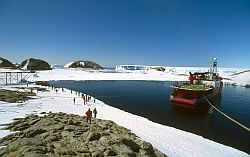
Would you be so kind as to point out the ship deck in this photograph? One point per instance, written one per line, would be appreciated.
(194, 87)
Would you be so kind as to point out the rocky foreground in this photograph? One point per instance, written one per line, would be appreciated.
(61, 134)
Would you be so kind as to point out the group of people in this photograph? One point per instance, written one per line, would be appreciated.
(54, 88)
(87, 98)
(89, 114)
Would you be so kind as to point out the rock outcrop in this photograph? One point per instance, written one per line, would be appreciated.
(83, 64)
(4, 63)
(15, 96)
(60, 134)
(35, 64)
(159, 69)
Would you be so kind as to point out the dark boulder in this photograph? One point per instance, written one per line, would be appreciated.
(159, 69)
(93, 136)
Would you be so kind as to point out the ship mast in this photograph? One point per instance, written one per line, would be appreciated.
(213, 69)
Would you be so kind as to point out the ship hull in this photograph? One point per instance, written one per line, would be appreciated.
(195, 104)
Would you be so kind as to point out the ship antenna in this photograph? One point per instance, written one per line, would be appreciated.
(214, 66)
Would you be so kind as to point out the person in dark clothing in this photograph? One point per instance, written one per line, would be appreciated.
(95, 112)
(84, 99)
(74, 100)
(89, 115)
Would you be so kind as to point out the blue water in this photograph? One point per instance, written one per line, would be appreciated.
(150, 99)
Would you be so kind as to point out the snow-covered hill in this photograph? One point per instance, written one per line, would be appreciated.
(34, 64)
(83, 64)
(241, 78)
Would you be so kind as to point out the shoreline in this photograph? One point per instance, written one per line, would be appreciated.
(153, 132)
(231, 76)
(240, 79)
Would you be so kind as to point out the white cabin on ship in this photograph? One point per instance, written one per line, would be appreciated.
(129, 68)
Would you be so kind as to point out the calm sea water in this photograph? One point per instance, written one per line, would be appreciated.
(150, 99)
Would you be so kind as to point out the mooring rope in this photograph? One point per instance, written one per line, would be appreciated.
(233, 120)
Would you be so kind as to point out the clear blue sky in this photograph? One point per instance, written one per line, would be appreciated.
(110, 32)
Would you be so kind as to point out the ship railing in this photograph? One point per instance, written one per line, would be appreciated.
(177, 85)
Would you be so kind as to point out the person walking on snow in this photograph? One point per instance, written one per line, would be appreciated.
(74, 100)
(95, 112)
(84, 99)
(89, 115)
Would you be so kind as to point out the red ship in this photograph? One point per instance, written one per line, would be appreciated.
(193, 94)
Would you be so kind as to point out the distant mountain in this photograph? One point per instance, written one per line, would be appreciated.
(4, 63)
(35, 64)
(83, 64)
